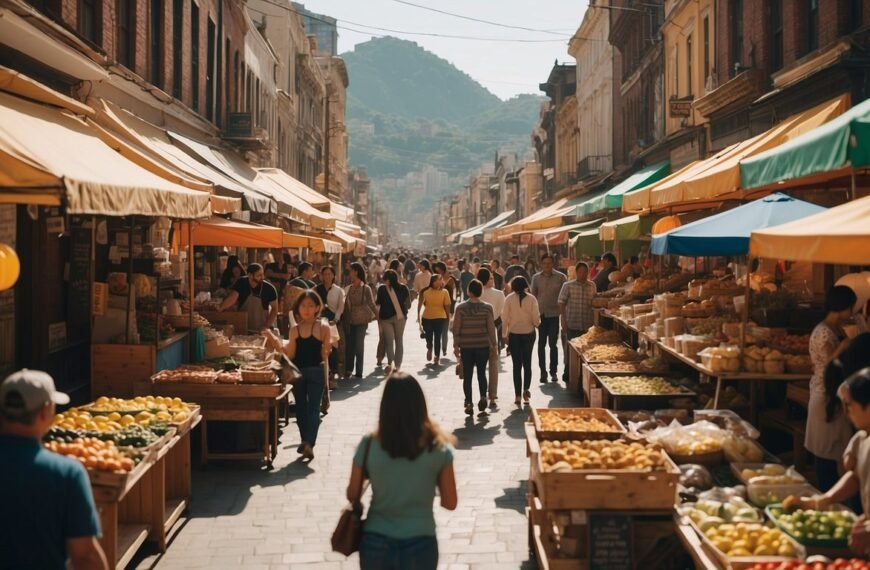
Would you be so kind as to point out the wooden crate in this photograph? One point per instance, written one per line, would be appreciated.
(602, 489)
(601, 414)
(115, 368)
(617, 401)
(742, 562)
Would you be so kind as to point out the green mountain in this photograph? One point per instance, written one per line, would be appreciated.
(408, 108)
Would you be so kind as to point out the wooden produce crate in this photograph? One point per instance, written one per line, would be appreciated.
(192, 419)
(743, 562)
(602, 489)
(617, 401)
(601, 414)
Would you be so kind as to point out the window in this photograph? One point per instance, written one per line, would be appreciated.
(706, 48)
(856, 15)
(736, 15)
(194, 55)
(209, 72)
(50, 8)
(776, 47)
(88, 20)
(812, 25)
(125, 16)
(155, 43)
(177, 59)
(689, 85)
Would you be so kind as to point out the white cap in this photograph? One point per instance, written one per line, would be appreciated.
(27, 391)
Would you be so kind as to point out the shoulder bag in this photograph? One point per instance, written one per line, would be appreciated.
(360, 313)
(348, 531)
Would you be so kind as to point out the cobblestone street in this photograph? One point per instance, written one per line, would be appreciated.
(242, 517)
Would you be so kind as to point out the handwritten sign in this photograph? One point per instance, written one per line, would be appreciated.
(79, 297)
(610, 541)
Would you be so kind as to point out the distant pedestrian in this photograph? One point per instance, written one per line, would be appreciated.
(452, 288)
(432, 312)
(530, 268)
(305, 280)
(50, 517)
(407, 459)
(495, 298)
(515, 270)
(546, 287)
(465, 277)
(421, 278)
(520, 318)
(575, 306)
(497, 274)
(333, 311)
(360, 310)
(393, 301)
(474, 342)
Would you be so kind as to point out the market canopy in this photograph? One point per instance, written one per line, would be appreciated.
(46, 154)
(612, 199)
(310, 195)
(728, 233)
(560, 234)
(586, 242)
(478, 234)
(837, 235)
(219, 232)
(293, 205)
(627, 228)
(842, 143)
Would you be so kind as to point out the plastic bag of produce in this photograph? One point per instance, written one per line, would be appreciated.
(694, 439)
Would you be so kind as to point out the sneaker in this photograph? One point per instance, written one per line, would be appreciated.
(481, 405)
(517, 401)
(469, 408)
(527, 396)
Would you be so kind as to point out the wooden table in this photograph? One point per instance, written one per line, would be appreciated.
(694, 546)
(233, 403)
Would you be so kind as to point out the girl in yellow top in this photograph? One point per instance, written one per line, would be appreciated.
(434, 306)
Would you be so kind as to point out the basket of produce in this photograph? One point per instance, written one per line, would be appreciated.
(191, 375)
(791, 343)
(597, 335)
(798, 364)
(104, 461)
(648, 366)
(575, 423)
(769, 483)
(611, 353)
(602, 474)
(229, 377)
(185, 321)
(738, 545)
(829, 528)
(259, 373)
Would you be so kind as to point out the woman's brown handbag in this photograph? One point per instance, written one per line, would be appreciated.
(348, 531)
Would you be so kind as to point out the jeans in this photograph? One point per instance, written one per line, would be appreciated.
(394, 331)
(434, 328)
(521, 354)
(549, 330)
(379, 552)
(566, 338)
(474, 358)
(355, 348)
(308, 392)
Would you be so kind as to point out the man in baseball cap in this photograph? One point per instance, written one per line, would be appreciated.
(51, 517)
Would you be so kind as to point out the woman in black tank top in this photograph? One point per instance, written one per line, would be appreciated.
(308, 348)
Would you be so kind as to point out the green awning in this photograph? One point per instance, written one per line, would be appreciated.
(612, 199)
(838, 144)
(627, 228)
(586, 243)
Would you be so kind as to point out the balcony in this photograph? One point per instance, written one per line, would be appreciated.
(743, 89)
(242, 132)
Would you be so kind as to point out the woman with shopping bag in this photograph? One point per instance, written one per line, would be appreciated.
(393, 301)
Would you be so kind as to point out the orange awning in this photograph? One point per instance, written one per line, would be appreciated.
(220, 232)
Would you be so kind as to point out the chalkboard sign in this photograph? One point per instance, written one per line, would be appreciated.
(79, 296)
(610, 542)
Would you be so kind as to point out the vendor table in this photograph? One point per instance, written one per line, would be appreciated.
(233, 403)
(694, 547)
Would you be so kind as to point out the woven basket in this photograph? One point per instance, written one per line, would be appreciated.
(258, 376)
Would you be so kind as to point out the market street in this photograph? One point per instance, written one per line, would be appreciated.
(242, 517)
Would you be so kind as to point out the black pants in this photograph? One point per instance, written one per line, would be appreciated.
(474, 358)
(521, 346)
(434, 328)
(569, 334)
(549, 330)
(498, 333)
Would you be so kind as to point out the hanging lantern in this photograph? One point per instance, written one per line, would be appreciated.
(10, 267)
(666, 224)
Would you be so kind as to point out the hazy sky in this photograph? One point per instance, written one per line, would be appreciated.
(506, 68)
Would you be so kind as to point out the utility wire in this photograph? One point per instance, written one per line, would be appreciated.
(479, 20)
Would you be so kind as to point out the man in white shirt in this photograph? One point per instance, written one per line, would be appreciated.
(495, 298)
(423, 276)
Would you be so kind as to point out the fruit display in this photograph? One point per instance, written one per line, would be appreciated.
(143, 409)
(814, 527)
(770, 474)
(708, 513)
(94, 454)
(742, 450)
(763, 359)
(610, 352)
(597, 335)
(647, 366)
(600, 454)
(576, 420)
(791, 343)
(201, 375)
(229, 377)
(690, 440)
(816, 564)
(640, 386)
(750, 539)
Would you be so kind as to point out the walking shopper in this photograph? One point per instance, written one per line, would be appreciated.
(359, 310)
(465, 277)
(495, 298)
(450, 285)
(520, 318)
(474, 342)
(424, 274)
(333, 309)
(306, 276)
(50, 517)
(406, 459)
(432, 313)
(828, 440)
(546, 287)
(575, 306)
(393, 302)
(497, 274)
(308, 348)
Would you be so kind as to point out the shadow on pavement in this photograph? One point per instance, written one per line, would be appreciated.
(353, 386)
(513, 498)
(513, 423)
(475, 433)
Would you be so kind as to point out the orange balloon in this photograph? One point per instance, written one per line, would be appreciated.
(10, 267)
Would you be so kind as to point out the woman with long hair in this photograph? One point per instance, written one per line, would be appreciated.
(360, 310)
(406, 459)
(393, 302)
(433, 313)
(308, 348)
(232, 273)
(451, 286)
(520, 318)
(825, 439)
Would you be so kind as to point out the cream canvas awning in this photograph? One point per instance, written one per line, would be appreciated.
(311, 196)
(300, 209)
(44, 150)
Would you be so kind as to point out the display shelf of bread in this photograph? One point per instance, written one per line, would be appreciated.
(610, 353)
(597, 335)
(187, 374)
(699, 309)
(721, 359)
(576, 423)
(763, 360)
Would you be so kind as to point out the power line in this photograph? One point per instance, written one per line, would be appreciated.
(479, 20)
(448, 36)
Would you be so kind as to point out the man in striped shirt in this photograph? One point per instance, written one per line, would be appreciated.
(474, 342)
(575, 306)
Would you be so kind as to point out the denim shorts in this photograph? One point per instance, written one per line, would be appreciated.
(379, 552)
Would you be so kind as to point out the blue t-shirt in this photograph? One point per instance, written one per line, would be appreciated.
(402, 490)
(45, 499)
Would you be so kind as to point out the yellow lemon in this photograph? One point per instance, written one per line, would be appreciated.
(127, 420)
(114, 416)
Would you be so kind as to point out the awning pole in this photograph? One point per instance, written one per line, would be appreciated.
(853, 183)
(190, 279)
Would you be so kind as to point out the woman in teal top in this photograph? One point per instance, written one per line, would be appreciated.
(408, 458)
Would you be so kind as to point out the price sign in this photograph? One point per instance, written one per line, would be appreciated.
(610, 541)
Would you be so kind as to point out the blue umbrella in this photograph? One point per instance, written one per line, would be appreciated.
(728, 233)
